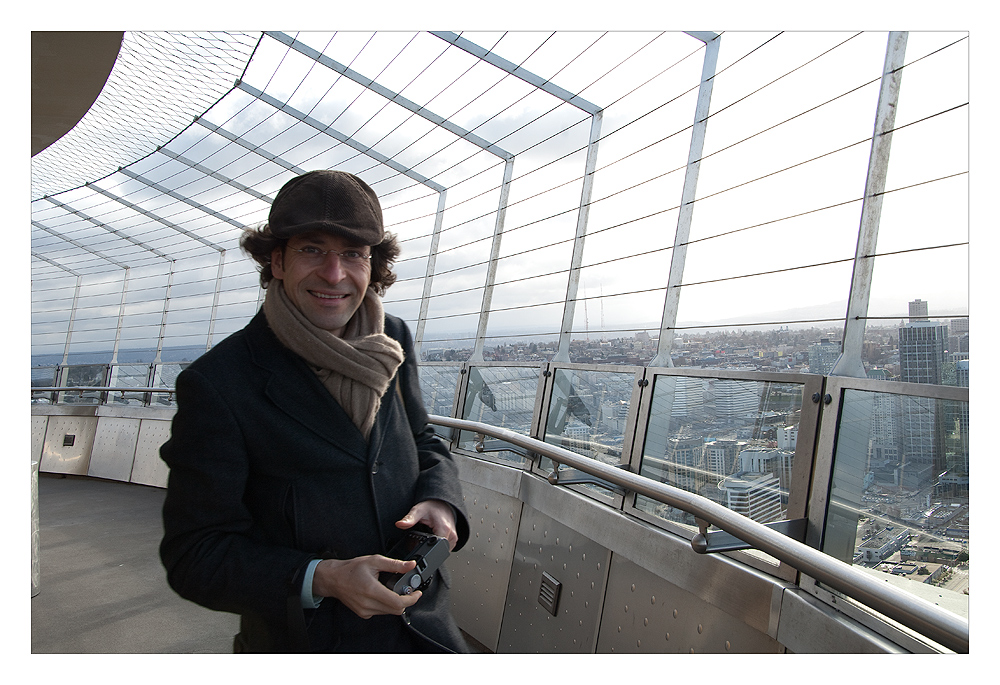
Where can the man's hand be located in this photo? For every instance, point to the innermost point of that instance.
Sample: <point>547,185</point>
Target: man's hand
<point>355,583</point>
<point>436,515</point>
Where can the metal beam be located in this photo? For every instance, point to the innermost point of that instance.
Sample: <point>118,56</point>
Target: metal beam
<point>849,363</point>
<point>109,229</point>
<point>370,84</point>
<point>518,72</point>
<point>181,198</point>
<point>154,217</point>
<point>678,255</point>
<point>491,271</point>
<point>573,283</point>
<point>337,135</point>
<point>216,175</point>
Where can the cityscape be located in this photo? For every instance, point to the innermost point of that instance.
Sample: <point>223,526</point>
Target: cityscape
<point>899,501</point>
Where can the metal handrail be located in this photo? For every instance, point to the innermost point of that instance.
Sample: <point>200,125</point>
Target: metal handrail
<point>940,625</point>
<point>101,388</point>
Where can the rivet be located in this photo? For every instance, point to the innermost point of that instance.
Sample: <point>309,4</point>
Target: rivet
<point>701,629</point>
<point>633,587</point>
<point>645,621</point>
<point>675,613</point>
<point>626,608</point>
<point>692,651</point>
<point>668,637</point>
<point>638,643</point>
<point>652,600</point>
<point>728,646</point>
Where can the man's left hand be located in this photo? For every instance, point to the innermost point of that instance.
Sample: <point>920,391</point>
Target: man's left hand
<point>436,515</point>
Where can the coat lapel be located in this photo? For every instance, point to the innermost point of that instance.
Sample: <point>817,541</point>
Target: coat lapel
<point>296,391</point>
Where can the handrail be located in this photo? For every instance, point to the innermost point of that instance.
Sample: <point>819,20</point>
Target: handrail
<point>940,625</point>
<point>101,388</point>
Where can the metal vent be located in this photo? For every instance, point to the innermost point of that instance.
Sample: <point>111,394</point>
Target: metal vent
<point>548,593</point>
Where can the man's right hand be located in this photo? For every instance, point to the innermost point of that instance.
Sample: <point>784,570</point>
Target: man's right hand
<point>355,584</point>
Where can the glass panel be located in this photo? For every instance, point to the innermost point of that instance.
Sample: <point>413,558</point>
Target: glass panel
<point>165,376</point>
<point>85,375</point>
<point>128,376</point>
<point>588,414</point>
<point>732,441</point>
<point>438,385</point>
<point>42,377</point>
<point>500,396</point>
<point>899,498</point>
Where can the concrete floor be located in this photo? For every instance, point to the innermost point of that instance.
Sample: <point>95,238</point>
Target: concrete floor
<point>102,588</point>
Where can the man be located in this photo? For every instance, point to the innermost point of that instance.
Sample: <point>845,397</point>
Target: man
<point>300,451</point>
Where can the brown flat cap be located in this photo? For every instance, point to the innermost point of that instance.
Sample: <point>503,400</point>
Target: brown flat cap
<point>327,200</point>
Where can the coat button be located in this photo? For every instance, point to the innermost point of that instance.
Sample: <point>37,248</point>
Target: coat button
<point>375,468</point>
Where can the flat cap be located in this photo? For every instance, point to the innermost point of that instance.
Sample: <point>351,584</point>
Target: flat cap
<point>327,200</point>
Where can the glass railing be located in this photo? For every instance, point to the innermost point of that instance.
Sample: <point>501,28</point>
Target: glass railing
<point>879,469</point>
<point>500,395</point>
<point>899,488</point>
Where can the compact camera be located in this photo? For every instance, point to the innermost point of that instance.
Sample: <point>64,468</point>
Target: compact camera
<point>428,550</point>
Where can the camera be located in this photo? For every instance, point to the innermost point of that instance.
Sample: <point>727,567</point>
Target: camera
<point>429,551</point>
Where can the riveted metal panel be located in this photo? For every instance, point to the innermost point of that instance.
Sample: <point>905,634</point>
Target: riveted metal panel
<point>644,613</point>
<point>114,448</point>
<point>546,546</point>
<point>148,468</point>
<point>60,457</point>
<point>38,426</point>
<point>480,571</point>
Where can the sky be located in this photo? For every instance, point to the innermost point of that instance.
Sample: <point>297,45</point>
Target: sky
<point>779,188</point>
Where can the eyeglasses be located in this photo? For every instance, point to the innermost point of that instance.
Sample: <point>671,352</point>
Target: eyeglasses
<point>314,255</point>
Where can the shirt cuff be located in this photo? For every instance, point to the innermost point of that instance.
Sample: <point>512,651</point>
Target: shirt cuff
<point>309,600</point>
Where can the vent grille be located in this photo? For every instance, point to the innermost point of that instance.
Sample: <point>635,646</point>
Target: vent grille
<point>548,593</point>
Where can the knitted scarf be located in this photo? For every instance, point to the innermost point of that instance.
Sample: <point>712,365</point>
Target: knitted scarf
<point>355,369</point>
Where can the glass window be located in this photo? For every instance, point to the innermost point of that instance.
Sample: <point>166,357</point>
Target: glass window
<point>83,376</point>
<point>899,496</point>
<point>588,413</point>
<point>501,396</point>
<point>165,376</point>
<point>438,385</point>
<point>42,377</point>
<point>128,376</point>
<point>731,441</point>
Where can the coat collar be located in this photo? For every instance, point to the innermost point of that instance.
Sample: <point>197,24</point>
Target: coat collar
<point>295,390</point>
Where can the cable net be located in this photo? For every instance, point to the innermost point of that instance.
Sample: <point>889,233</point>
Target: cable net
<point>160,82</point>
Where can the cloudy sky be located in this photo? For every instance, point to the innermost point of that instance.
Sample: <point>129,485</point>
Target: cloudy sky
<point>773,231</point>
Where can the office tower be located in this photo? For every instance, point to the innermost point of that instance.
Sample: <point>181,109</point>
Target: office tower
<point>921,359</point>
<point>823,355</point>
<point>755,495</point>
<point>918,310</point>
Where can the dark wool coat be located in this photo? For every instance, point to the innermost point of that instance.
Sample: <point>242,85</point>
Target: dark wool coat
<point>267,472</point>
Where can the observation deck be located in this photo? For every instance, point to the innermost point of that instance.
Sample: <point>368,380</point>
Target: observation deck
<point>662,286</point>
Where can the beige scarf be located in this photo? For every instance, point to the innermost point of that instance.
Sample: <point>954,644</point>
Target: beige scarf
<point>357,368</point>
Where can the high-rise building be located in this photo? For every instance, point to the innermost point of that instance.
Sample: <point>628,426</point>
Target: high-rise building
<point>736,398</point>
<point>959,326</point>
<point>921,360</point>
<point>756,496</point>
<point>823,355</point>
<point>918,310</point>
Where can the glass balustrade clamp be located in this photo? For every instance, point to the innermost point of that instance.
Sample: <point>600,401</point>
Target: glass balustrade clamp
<point>705,542</point>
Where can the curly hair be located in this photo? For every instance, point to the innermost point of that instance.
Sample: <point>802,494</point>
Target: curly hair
<point>258,243</point>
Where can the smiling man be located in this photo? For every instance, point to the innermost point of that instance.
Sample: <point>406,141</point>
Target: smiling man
<point>300,452</point>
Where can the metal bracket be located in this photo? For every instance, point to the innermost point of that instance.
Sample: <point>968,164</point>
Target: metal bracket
<point>721,541</point>
<point>491,445</point>
<point>575,477</point>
